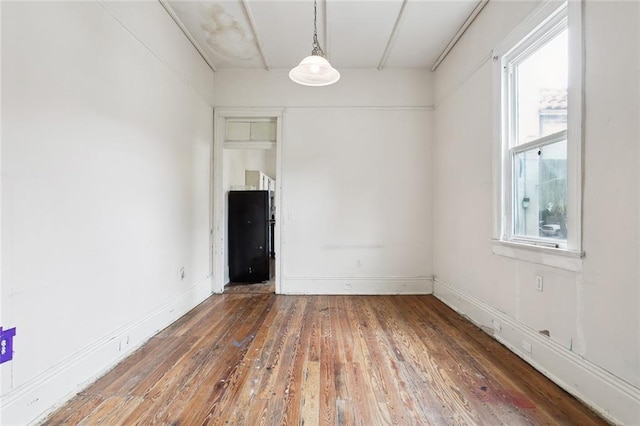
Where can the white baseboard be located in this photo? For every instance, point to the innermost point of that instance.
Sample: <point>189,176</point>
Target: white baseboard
<point>360,286</point>
<point>32,401</point>
<point>610,396</point>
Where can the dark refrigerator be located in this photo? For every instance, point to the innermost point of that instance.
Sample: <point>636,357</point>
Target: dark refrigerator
<point>249,235</point>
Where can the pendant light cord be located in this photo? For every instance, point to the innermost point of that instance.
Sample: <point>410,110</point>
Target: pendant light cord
<point>317,50</point>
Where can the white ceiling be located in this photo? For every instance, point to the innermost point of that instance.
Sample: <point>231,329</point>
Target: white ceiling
<point>356,33</point>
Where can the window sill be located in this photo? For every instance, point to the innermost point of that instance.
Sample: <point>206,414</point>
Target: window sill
<point>569,260</point>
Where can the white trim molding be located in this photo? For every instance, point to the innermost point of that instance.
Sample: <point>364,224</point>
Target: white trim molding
<point>613,398</point>
<point>40,396</point>
<point>556,258</point>
<point>357,285</point>
<point>250,145</point>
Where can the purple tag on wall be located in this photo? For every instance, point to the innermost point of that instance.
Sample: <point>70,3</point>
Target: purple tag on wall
<point>6,344</point>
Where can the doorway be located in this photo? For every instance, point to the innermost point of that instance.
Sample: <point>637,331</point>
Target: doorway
<point>246,159</point>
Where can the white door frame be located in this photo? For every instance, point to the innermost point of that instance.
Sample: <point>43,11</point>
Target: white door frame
<point>218,219</point>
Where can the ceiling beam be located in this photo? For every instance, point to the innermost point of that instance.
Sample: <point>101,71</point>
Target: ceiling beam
<point>476,11</point>
<point>327,48</point>
<point>180,25</point>
<point>256,35</point>
<point>392,37</point>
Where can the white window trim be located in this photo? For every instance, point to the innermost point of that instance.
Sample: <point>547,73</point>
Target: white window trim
<point>570,256</point>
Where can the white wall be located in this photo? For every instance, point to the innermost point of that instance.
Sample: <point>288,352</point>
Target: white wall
<point>355,178</point>
<point>356,87</point>
<point>592,315</point>
<point>358,201</point>
<point>106,147</point>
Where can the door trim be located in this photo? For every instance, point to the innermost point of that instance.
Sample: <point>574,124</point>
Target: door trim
<point>218,245</point>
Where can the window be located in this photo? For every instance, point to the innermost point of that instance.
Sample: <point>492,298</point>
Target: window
<point>536,75</point>
<point>539,79</point>
<point>250,132</point>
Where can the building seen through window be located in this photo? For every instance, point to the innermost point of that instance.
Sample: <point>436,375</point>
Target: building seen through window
<point>539,141</point>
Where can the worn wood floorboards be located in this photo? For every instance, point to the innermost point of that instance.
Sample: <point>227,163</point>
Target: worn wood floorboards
<point>268,287</point>
<point>252,359</point>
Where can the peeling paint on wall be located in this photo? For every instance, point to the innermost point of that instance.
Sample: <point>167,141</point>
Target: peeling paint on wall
<point>226,36</point>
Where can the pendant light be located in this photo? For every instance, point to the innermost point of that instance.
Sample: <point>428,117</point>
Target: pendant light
<point>315,70</point>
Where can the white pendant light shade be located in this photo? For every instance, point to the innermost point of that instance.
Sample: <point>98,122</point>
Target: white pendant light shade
<point>314,70</point>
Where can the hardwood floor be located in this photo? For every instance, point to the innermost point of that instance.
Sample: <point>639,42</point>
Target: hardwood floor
<point>268,287</point>
<point>254,359</point>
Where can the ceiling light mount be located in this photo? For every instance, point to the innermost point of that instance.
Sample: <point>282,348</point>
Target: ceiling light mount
<point>315,70</point>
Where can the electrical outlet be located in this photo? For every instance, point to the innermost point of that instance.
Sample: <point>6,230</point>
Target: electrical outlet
<point>182,273</point>
<point>539,282</point>
<point>526,346</point>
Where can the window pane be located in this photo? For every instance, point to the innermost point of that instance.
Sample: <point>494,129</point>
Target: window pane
<point>542,90</point>
<point>540,192</point>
